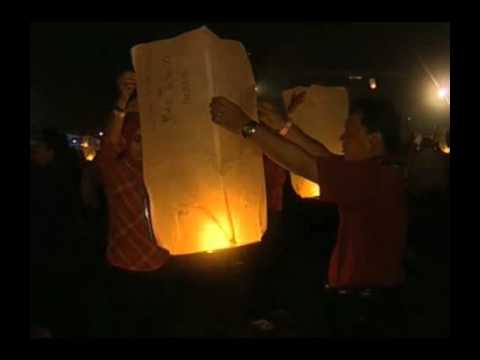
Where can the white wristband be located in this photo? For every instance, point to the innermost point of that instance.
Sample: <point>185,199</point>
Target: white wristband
<point>121,114</point>
<point>284,131</point>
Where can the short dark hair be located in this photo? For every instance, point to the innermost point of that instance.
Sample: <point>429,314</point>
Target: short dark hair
<point>380,115</point>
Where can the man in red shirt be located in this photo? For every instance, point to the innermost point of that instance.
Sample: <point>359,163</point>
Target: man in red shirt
<point>366,266</point>
<point>139,278</point>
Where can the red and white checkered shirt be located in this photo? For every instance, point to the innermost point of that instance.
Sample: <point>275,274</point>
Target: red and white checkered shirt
<point>131,244</point>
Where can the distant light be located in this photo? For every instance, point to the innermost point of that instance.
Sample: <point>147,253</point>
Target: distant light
<point>257,89</point>
<point>84,144</point>
<point>90,157</point>
<point>74,141</point>
<point>373,83</point>
<point>100,133</point>
<point>409,118</point>
<point>355,77</point>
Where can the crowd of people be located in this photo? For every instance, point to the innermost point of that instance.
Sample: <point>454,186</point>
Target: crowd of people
<point>96,269</point>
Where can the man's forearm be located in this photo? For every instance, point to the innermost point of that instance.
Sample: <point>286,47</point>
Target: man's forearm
<point>306,142</point>
<point>286,153</point>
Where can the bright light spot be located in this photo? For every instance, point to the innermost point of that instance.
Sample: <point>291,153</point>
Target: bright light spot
<point>90,157</point>
<point>85,145</point>
<point>442,137</point>
<point>373,83</point>
<point>100,133</point>
<point>213,237</point>
<point>74,141</point>
<point>442,93</point>
<point>445,149</point>
<point>261,88</point>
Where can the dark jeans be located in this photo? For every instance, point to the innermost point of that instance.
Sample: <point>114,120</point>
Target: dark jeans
<point>380,314</point>
<point>143,304</point>
<point>270,262</point>
<point>55,297</point>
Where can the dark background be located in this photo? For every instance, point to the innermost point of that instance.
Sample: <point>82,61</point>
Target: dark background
<point>73,65</point>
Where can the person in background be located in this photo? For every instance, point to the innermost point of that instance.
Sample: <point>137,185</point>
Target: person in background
<point>56,234</point>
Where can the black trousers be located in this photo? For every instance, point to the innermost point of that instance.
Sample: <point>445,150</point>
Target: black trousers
<point>357,315</point>
<point>143,304</point>
<point>269,265</point>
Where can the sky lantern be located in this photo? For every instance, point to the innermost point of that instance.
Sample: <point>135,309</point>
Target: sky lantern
<point>322,116</point>
<point>88,147</point>
<point>206,186</point>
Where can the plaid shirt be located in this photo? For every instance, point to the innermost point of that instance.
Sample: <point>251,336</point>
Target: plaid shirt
<point>131,244</point>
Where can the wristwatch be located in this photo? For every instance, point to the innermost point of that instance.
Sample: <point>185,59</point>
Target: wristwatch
<point>249,129</point>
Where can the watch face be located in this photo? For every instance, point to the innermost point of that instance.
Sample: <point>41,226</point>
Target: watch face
<point>249,129</point>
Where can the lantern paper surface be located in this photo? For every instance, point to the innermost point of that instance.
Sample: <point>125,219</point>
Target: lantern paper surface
<point>206,186</point>
<point>322,116</point>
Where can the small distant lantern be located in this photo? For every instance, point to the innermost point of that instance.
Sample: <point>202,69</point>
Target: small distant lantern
<point>90,157</point>
<point>88,148</point>
<point>373,83</point>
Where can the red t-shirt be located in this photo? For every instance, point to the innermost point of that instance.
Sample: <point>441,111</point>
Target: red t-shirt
<point>371,240</point>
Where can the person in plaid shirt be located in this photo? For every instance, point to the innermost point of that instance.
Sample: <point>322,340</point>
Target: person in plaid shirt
<point>140,281</point>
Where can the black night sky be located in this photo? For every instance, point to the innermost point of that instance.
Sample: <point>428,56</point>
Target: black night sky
<point>73,65</point>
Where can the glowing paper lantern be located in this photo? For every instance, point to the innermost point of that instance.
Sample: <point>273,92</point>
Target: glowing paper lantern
<point>303,187</point>
<point>205,185</point>
<point>88,149</point>
<point>322,116</point>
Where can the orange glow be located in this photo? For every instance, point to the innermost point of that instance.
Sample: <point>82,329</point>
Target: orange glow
<point>305,188</point>
<point>212,237</point>
<point>444,148</point>
<point>441,139</point>
<point>89,152</point>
